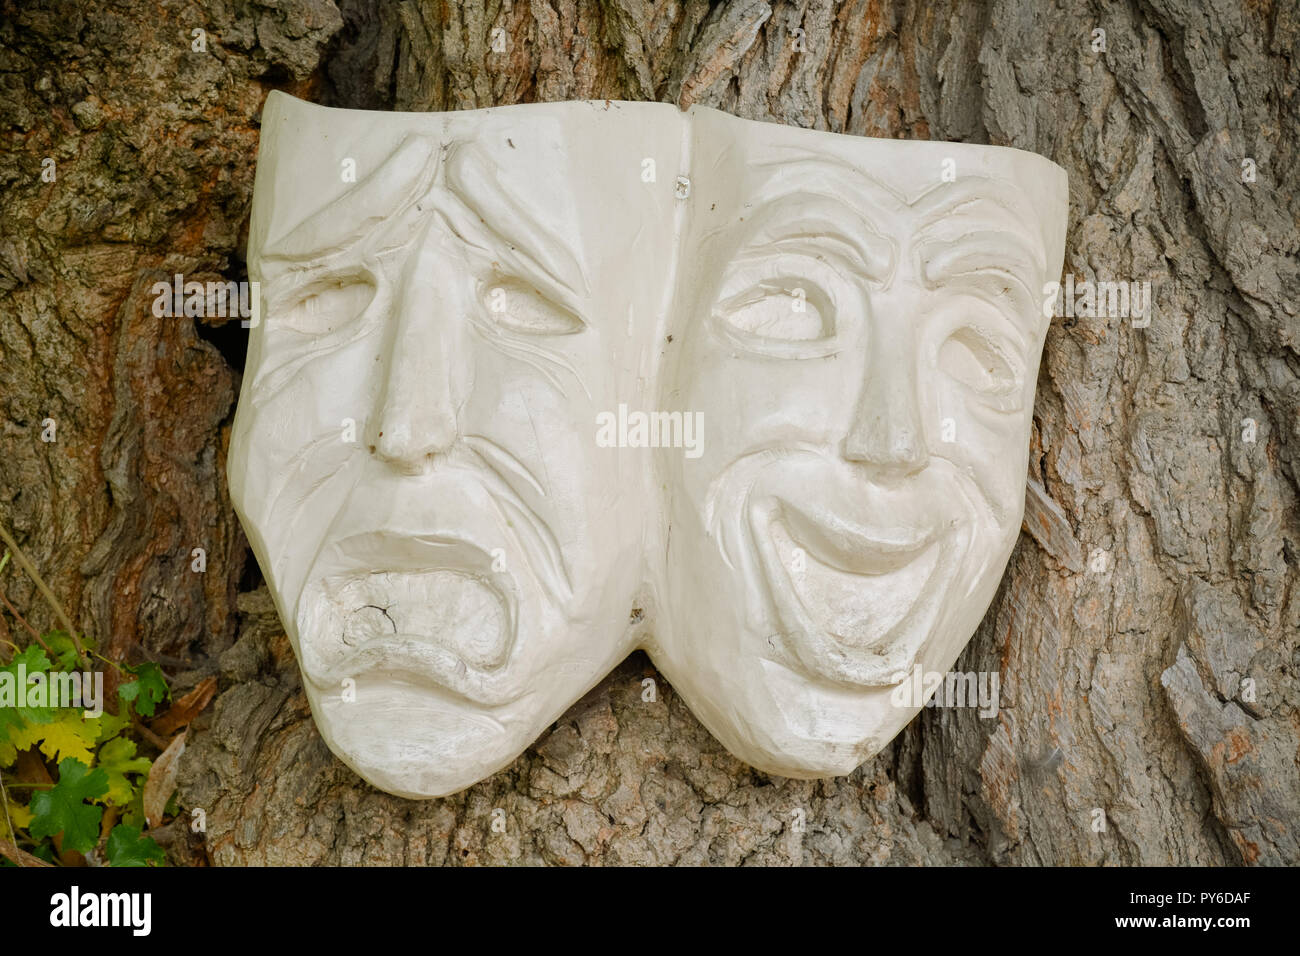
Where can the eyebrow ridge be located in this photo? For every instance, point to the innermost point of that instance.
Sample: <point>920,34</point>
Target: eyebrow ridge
<point>483,196</point>
<point>943,262</point>
<point>829,218</point>
<point>399,183</point>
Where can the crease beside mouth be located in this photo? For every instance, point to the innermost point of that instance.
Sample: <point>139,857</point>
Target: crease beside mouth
<point>858,641</point>
<point>493,459</point>
<point>478,672</point>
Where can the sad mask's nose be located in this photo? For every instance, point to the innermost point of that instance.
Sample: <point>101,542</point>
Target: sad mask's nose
<point>417,414</point>
<point>417,421</point>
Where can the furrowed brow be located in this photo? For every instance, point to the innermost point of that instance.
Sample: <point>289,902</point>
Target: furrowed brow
<point>979,205</point>
<point>978,233</point>
<point>506,222</point>
<point>998,265</point>
<point>385,195</point>
<point>816,225</point>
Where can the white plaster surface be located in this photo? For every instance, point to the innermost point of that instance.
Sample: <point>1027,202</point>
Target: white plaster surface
<point>466,316</point>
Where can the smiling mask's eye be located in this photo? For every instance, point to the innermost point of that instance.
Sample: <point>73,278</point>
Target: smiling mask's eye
<point>329,305</point>
<point>776,314</point>
<point>519,307</point>
<point>970,358</point>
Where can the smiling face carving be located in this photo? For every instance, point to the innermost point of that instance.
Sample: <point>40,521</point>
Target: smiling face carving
<point>865,336</point>
<point>464,563</point>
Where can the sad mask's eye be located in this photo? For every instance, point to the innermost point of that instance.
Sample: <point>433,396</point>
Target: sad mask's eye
<point>778,313</point>
<point>520,307</point>
<point>329,305</point>
<point>970,358</point>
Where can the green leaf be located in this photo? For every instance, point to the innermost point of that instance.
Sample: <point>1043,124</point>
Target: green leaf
<point>110,725</point>
<point>45,851</point>
<point>64,650</point>
<point>126,847</point>
<point>69,734</point>
<point>133,812</point>
<point>147,690</point>
<point>62,808</point>
<point>33,661</point>
<point>117,758</point>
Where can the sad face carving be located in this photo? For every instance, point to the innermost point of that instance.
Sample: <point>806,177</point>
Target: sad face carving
<point>452,302</point>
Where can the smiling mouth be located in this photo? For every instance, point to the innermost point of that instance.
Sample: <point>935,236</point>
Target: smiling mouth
<point>856,596</point>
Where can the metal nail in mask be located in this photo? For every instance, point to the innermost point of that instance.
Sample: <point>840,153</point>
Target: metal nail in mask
<point>462,313</point>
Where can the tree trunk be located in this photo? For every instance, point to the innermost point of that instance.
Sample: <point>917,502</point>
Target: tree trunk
<point>1147,632</point>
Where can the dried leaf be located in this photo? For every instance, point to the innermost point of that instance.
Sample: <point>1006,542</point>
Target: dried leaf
<point>186,708</point>
<point>161,783</point>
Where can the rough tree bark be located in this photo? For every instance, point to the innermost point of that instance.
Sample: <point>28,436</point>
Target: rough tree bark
<point>1155,581</point>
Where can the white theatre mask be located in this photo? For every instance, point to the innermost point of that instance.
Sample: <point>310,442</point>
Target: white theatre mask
<point>441,453</point>
<point>861,321</point>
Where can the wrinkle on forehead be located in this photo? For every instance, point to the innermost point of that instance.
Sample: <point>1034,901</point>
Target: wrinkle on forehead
<point>874,199</point>
<point>817,222</point>
<point>985,199</point>
<point>980,204</point>
<point>398,184</point>
<point>513,220</point>
<point>474,197</point>
<point>980,228</point>
<point>974,224</point>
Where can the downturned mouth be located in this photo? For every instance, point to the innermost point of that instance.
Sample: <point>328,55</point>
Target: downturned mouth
<point>463,613</point>
<point>417,608</point>
<point>432,606</point>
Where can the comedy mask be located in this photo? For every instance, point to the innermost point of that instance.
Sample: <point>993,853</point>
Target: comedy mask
<point>534,386</point>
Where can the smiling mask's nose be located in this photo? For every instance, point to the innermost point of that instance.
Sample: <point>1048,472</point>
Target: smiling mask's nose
<point>886,431</point>
<point>416,420</point>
